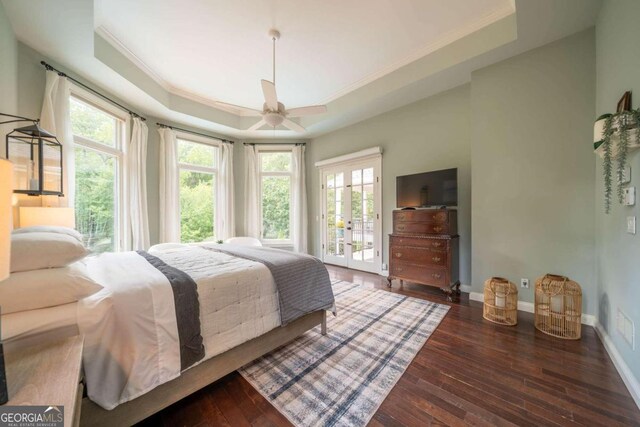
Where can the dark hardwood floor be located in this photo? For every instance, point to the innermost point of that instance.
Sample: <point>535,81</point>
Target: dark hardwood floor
<point>469,372</point>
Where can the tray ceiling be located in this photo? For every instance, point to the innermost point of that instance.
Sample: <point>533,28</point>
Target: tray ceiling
<point>219,49</point>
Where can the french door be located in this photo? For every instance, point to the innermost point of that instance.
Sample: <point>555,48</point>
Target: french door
<point>351,215</point>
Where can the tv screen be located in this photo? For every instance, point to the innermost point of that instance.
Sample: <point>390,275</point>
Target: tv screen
<point>428,189</point>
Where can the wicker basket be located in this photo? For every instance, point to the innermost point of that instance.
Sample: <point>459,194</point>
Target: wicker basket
<point>500,301</point>
<point>558,307</point>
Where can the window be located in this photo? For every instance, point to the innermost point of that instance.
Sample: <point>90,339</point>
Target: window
<point>98,135</point>
<point>198,167</point>
<point>275,196</point>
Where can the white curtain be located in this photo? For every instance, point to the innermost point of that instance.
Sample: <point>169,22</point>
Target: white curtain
<point>169,187</point>
<point>299,200</point>
<point>137,179</point>
<point>55,119</point>
<point>251,187</point>
<point>225,218</point>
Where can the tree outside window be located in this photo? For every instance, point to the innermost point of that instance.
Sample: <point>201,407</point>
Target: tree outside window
<point>275,190</point>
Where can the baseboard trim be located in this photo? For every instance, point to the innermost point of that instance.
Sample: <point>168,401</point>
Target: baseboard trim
<point>528,307</point>
<point>632,383</point>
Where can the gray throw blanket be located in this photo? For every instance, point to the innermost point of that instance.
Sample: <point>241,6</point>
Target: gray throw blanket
<point>185,297</point>
<point>302,281</point>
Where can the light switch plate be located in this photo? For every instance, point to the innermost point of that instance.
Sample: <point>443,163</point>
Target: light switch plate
<point>626,175</point>
<point>631,224</point>
<point>630,196</point>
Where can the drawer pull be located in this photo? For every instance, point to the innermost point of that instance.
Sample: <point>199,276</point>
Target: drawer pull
<point>436,276</point>
<point>398,254</point>
<point>437,229</point>
<point>398,268</point>
<point>436,244</point>
<point>400,227</point>
<point>436,259</point>
<point>401,217</point>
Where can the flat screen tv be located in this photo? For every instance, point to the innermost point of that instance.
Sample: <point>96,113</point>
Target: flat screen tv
<point>428,189</point>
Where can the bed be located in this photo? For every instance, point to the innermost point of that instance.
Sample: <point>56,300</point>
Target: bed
<point>135,347</point>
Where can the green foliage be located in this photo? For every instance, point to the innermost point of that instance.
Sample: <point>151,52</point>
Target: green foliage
<point>620,124</point>
<point>276,196</point>
<point>95,199</point>
<point>92,123</point>
<point>193,153</point>
<point>196,206</point>
<point>623,148</point>
<point>608,131</point>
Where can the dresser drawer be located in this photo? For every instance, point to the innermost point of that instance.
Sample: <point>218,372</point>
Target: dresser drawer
<point>421,227</point>
<point>436,244</point>
<point>419,255</point>
<point>428,275</point>
<point>421,216</point>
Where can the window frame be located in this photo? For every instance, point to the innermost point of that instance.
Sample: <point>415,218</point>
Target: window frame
<point>215,171</point>
<point>122,241</point>
<point>275,149</point>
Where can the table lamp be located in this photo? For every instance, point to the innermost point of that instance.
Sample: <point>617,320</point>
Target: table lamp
<point>6,192</point>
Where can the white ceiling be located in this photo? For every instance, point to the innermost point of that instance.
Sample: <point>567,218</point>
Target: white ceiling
<point>219,49</point>
<point>170,59</point>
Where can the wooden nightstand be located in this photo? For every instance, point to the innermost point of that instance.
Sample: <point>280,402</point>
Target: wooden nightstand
<point>46,374</point>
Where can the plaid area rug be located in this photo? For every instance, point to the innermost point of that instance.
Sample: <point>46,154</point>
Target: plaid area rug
<point>342,378</point>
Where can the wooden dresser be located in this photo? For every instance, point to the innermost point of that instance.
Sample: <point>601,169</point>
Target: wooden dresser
<point>424,248</point>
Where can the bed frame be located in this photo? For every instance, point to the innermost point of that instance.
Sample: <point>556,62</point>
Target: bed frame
<point>199,376</point>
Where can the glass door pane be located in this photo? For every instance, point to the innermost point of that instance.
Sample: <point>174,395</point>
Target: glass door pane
<point>335,220</point>
<point>362,215</point>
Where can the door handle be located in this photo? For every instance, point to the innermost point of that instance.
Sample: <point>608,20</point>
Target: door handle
<point>348,228</point>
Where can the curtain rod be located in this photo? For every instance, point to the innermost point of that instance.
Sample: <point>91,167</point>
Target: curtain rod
<point>275,143</point>
<point>106,98</point>
<point>162,125</point>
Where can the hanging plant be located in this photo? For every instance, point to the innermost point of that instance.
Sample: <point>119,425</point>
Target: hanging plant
<point>620,124</point>
<point>624,122</point>
<point>606,166</point>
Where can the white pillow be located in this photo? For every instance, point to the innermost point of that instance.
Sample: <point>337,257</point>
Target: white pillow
<point>33,251</point>
<point>49,229</point>
<point>30,290</point>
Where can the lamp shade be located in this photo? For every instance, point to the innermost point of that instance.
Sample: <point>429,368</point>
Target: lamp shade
<point>6,191</point>
<point>64,217</point>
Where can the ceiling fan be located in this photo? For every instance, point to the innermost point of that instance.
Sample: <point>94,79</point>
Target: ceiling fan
<point>273,112</point>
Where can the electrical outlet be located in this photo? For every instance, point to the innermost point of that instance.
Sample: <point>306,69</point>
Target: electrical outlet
<point>626,328</point>
<point>524,283</point>
<point>385,267</point>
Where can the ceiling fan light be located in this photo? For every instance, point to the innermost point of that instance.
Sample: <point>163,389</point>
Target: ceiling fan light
<point>273,119</point>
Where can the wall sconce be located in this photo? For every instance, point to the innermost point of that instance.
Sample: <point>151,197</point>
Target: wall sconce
<point>37,159</point>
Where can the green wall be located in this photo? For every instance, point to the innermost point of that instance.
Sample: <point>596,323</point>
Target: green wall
<point>430,134</point>
<point>618,253</point>
<point>8,69</point>
<point>533,171</point>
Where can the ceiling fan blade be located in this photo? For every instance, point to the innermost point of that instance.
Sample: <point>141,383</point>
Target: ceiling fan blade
<point>258,125</point>
<point>307,111</point>
<point>243,110</point>
<point>270,96</point>
<point>292,125</point>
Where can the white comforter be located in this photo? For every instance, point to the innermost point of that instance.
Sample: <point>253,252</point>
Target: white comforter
<point>131,337</point>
